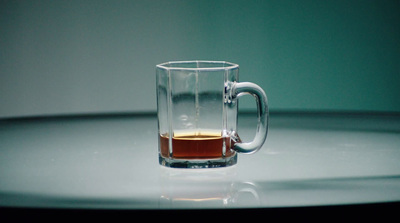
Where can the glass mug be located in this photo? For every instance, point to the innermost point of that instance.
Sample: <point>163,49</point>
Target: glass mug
<point>197,114</point>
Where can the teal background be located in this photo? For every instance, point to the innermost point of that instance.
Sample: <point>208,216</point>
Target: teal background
<point>75,57</point>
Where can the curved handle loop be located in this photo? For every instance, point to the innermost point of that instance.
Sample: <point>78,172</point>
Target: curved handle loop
<point>239,89</point>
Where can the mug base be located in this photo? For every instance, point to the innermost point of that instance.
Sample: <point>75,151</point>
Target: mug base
<point>198,163</point>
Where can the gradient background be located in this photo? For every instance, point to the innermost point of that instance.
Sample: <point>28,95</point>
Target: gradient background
<point>78,57</point>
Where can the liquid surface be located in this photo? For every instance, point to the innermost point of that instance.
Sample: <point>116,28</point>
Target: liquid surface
<point>197,146</point>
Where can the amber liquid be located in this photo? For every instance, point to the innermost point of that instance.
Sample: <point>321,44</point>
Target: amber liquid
<point>196,146</point>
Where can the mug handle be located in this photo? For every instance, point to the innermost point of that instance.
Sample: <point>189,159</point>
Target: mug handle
<point>242,88</point>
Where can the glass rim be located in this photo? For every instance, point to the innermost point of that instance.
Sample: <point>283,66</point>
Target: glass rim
<point>177,65</point>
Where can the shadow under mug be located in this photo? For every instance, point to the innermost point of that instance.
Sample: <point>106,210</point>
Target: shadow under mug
<point>197,114</point>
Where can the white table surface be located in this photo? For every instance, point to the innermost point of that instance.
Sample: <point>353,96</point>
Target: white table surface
<point>111,162</point>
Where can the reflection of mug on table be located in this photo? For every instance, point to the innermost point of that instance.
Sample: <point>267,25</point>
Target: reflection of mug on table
<point>197,114</point>
<point>205,188</point>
